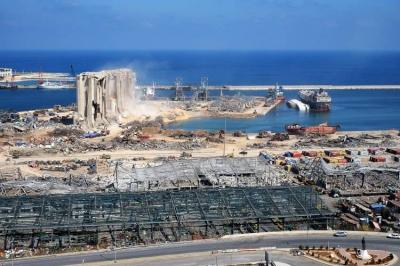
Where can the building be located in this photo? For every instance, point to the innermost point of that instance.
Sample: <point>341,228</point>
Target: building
<point>137,218</point>
<point>5,72</point>
<point>105,96</point>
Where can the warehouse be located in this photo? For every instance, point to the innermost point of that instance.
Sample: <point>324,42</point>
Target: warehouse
<point>132,218</point>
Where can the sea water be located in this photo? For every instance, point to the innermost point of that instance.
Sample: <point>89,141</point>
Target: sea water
<point>352,109</point>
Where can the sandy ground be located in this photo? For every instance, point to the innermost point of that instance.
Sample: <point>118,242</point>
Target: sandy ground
<point>171,111</point>
<point>233,146</point>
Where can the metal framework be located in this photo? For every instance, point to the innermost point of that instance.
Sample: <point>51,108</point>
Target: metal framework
<point>201,172</point>
<point>130,218</point>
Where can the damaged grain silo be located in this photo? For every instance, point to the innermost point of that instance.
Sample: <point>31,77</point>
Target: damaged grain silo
<point>105,96</point>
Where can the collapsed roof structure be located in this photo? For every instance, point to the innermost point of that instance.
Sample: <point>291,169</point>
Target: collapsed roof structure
<point>199,172</point>
<point>132,218</point>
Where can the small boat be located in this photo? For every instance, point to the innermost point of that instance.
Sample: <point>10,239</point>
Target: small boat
<point>51,85</point>
<point>8,85</point>
<point>294,129</point>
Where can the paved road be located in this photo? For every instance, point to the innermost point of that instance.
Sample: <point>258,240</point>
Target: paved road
<point>279,241</point>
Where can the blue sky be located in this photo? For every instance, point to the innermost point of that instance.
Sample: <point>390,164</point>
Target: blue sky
<point>200,24</point>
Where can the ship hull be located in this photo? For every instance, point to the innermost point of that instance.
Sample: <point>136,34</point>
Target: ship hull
<point>318,107</point>
<point>322,129</point>
<point>318,101</point>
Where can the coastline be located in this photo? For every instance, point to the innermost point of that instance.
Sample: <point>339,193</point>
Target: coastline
<point>237,87</point>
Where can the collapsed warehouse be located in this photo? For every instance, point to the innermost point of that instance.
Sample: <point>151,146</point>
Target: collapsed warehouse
<point>58,222</point>
<point>200,173</point>
<point>172,200</point>
<point>350,179</point>
<point>126,175</point>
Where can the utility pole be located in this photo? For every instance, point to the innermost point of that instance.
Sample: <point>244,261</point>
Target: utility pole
<point>117,163</point>
<point>225,137</point>
<point>12,252</point>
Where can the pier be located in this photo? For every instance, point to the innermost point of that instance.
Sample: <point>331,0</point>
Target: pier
<point>288,87</point>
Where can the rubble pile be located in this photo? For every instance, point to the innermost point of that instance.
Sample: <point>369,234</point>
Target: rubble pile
<point>8,117</point>
<point>23,122</point>
<point>350,178</point>
<point>199,172</point>
<point>66,132</point>
<point>343,141</point>
<point>49,185</point>
<point>183,134</point>
<point>161,144</point>
<point>233,104</point>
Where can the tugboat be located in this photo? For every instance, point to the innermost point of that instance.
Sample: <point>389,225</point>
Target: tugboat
<point>319,101</point>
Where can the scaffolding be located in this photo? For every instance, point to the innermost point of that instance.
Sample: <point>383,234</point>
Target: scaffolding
<point>179,96</point>
<point>132,218</point>
<point>201,92</point>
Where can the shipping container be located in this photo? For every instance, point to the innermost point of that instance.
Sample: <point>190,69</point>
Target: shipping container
<point>288,154</point>
<point>375,151</point>
<point>330,159</point>
<point>377,159</point>
<point>349,159</point>
<point>333,153</point>
<point>393,150</point>
<point>296,154</point>
<point>310,153</point>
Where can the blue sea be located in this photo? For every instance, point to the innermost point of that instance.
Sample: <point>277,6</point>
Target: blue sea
<point>353,110</point>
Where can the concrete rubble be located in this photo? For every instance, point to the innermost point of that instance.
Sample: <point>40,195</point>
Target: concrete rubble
<point>351,178</point>
<point>233,104</point>
<point>197,173</point>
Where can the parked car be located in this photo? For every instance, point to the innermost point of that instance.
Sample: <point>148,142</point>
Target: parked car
<point>340,234</point>
<point>394,236</point>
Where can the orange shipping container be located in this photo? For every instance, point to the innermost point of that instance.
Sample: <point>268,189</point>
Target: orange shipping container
<point>296,154</point>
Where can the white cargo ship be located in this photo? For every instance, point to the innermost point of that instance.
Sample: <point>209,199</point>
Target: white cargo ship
<point>319,101</point>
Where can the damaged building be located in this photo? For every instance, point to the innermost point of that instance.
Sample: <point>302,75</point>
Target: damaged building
<point>105,96</point>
